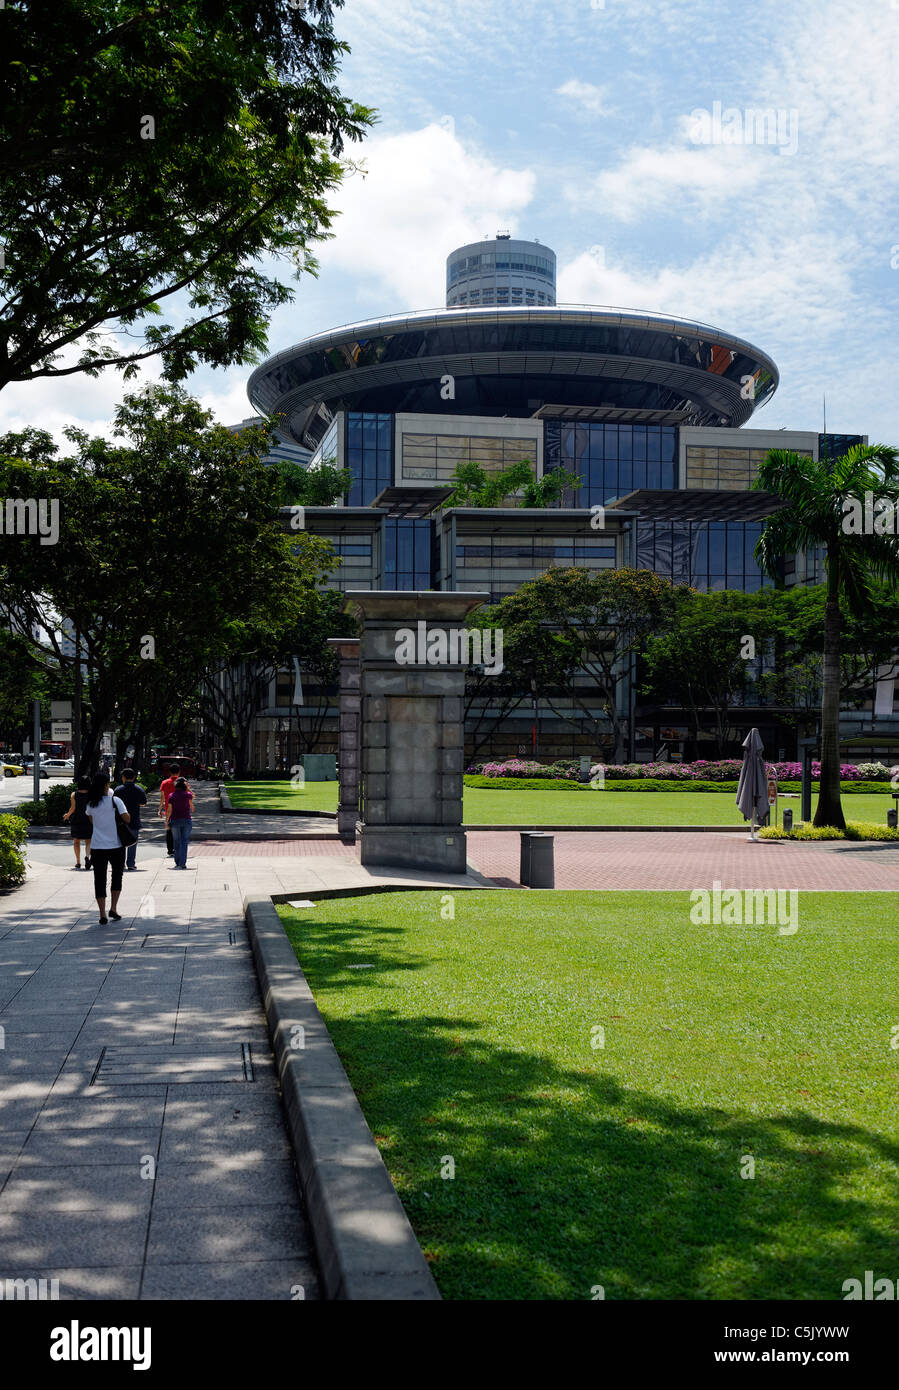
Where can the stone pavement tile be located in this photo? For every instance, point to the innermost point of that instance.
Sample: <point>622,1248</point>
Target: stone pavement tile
<point>78,1187</point>
<point>224,1180</point>
<point>21,1111</point>
<point>200,1016</point>
<point>102,1111</point>
<point>241,1136</point>
<point>224,1235</point>
<point>246,1281</point>
<point>114,1281</point>
<point>55,1240</point>
<point>106,1146</point>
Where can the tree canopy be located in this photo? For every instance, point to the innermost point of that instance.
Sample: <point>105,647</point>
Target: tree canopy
<point>816,494</point>
<point>171,557</point>
<point>149,150</point>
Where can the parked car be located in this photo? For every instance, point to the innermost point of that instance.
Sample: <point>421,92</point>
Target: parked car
<point>58,767</point>
<point>12,769</point>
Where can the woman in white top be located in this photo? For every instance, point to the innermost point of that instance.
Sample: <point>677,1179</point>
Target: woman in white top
<point>106,847</point>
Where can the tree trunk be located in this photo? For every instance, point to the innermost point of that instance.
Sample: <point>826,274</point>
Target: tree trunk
<point>830,810</point>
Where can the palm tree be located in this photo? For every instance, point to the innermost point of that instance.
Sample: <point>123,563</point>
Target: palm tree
<point>824,503</point>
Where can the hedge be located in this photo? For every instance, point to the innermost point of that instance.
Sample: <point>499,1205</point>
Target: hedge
<point>13,834</point>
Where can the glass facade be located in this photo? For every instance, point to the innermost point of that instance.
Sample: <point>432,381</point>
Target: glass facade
<point>501,563</point>
<point>369,455</point>
<point>727,470</point>
<point>833,445</point>
<point>612,460</point>
<point>704,554</point>
<point>328,372</point>
<point>437,456</point>
<point>408,554</point>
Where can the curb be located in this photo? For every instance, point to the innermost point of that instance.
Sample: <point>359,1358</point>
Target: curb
<point>365,1244</point>
<point>653,829</point>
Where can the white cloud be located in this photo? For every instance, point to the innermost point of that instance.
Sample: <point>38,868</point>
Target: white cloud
<point>584,94</point>
<point>423,194</point>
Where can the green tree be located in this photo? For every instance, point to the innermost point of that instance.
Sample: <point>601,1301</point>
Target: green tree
<point>170,558</point>
<point>22,680</point>
<point>149,150</point>
<point>821,498</point>
<point>599,620</point>
<point>475,486</point>
<point>313,487</point>
<point>715,654</point>
<point>537,663</point>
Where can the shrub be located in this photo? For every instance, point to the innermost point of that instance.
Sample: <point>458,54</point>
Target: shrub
<point>32,812</point>
<point>521,784</point>
<point>57,801</point>
<point>855,830</point>
<point>874,772</point>
<point>13,833</point>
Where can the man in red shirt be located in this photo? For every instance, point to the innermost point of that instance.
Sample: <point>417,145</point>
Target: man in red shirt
<point>165,790</point>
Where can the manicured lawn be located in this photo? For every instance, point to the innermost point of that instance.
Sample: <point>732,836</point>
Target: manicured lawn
<point>594,807</point>
<point>282,796</point>
<point>621,1166</point>
<point>590,807</point>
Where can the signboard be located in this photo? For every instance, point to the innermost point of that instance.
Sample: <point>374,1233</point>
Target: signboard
<point>61,731</point>
<point>60,709</point>
<point>772,791</point>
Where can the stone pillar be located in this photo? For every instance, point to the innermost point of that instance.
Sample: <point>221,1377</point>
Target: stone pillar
<point>348,747</point>
<point>412,730</point>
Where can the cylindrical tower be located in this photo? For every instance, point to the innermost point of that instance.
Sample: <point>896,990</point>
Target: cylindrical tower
<point>500,272</point>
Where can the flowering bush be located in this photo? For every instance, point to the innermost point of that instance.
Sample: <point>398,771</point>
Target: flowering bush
<point>724,770</point>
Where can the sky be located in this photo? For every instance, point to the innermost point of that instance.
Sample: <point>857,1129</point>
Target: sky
<point>621,134</point>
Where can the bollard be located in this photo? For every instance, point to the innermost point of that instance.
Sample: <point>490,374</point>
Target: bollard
<point>788,819</point>
<point>892,819</point>
<point>537,865</point>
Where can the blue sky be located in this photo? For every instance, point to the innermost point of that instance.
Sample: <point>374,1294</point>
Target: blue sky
<point>577,122</point>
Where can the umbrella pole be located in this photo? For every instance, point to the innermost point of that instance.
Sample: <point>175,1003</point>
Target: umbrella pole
<point>753,833</point>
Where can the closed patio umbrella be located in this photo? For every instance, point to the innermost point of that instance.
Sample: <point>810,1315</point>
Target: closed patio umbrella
<point>752,788</point>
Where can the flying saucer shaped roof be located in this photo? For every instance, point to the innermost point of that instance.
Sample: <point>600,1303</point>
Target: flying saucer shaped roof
<point>514,362</point>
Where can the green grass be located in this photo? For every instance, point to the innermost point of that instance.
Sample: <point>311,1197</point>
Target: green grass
<point>282,796</point>
<point>577,806</point>
<point>471,1038</point>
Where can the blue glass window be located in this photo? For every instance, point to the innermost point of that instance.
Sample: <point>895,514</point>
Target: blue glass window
<point>613,460</point>
<point>369,455</point>
<point>408,554</point>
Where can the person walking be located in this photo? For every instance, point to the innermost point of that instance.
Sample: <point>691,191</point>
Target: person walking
<point>178,815</point>
<point>79,823</point>
<point>106,848</point>
<point>165,790</point>
<point>134,798</point>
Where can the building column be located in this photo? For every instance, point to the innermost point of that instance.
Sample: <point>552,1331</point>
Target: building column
<point>349,722</point>
<point>413,728</point>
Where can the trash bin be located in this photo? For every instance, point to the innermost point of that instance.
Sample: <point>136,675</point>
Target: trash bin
<point>537,859</point>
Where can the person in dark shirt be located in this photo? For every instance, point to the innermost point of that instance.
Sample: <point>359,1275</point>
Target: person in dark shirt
<point>134,797</point>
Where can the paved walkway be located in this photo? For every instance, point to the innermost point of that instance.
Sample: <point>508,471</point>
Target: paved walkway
<point>142,1147</point>
<point>622,861</point>
<point>635,860</point>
